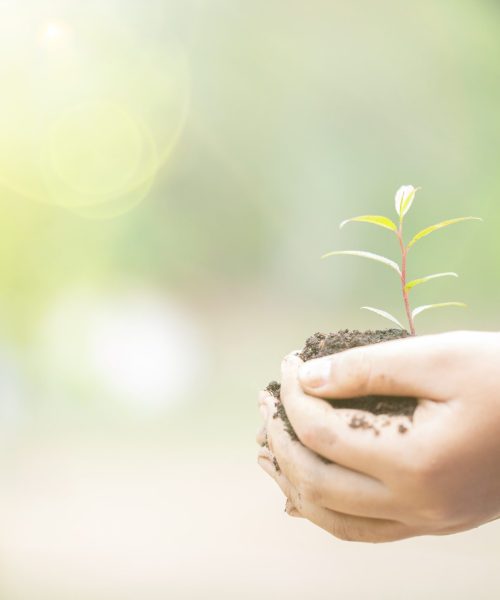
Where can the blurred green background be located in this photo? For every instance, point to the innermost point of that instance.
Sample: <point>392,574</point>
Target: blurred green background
<point>171,172</point>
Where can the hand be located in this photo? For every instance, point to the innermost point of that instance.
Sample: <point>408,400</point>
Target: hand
<point>438,474</point>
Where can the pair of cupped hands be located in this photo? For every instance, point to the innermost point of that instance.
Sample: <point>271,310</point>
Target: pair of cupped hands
<point>377,484</point>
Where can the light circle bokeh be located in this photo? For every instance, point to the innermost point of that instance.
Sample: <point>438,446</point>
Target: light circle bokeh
<point>131,348</point>
<point>95,149</point>
<point>90,109</point>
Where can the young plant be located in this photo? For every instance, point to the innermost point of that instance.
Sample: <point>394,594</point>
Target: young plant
<point>404,199</point>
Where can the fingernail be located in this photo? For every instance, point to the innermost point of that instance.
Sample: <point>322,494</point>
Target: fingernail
<point>314,373</point>
<point>291,361</point>
<point>264,411</point>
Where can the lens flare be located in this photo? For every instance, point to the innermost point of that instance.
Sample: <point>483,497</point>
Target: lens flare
<point>89,112</point>
<point>94,150</point>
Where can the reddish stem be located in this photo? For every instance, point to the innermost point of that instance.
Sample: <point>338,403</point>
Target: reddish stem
<point>404,256</point>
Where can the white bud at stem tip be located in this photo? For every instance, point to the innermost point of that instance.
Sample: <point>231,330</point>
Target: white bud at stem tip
<point>404,199</point>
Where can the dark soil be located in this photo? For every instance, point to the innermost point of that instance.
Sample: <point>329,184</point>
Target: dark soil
<point>321,344</point>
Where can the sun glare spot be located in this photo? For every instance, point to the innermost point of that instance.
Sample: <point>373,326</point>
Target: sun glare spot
<point>55,33</point>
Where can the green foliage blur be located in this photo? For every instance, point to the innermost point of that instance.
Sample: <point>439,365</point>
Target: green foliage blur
<point>171,172</point>
<point>299,116</point>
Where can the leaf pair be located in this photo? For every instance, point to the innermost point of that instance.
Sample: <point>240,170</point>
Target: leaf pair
<point>390,263</point>
<point>386,223</point>
<point>415,312</point>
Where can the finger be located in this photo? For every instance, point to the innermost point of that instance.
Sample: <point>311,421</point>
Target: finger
<point>268,464</point>
<point>342,526</point>
<point>291,510</point>
<point>416,366</point>
<point>265,454</point>
<point>327,484</point>
<point>355,529</point>
<point>265,404</point>
<point>261,437</point>
<point>264,398</point>
<point>333,434</point>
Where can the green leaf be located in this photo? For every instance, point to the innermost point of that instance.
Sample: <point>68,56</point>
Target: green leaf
<point>412,284</point>
<point>370,255</point>
<point>421,309</point>
<point>374,220</point>
<point>384,314</point>
<point>433,228</point>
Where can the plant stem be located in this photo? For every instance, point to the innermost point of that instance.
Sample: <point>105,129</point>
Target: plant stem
<point>406,299</point>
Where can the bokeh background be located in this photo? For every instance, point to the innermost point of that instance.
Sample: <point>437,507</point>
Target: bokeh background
<point>170,173</point>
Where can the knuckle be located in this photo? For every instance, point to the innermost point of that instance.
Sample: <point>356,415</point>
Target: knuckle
<point>296,497</point>
<point>317,435</point>
<point>452,348</point>
<point>354,370</point>
<point>307,434</point>
<point>342,531</point>
<point>310,489</point>
<point>349,532</point>
<point>439,513</point>
<point>432,502</point>
<point>261,436</point>
<point>270,442</point>
<point>426,470</point>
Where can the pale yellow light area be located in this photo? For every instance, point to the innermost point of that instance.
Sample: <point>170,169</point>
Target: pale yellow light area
<point>55,32</point>
<point>89,111</point>
<point>95,148</point>
<point>113,208</point>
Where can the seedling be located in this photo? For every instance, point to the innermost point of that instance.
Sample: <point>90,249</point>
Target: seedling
<point>404,199</point>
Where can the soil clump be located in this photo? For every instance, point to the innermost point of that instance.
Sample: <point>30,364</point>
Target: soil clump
<point>321,344</point>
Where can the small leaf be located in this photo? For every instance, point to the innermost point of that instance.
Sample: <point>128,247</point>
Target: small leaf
<point>421,309</point>
<point>412,284</point>
<point>433,228</point>
<point>384,314</point>
<point>370,255</point>
<point>374,220</point>
<point>404,199</point>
